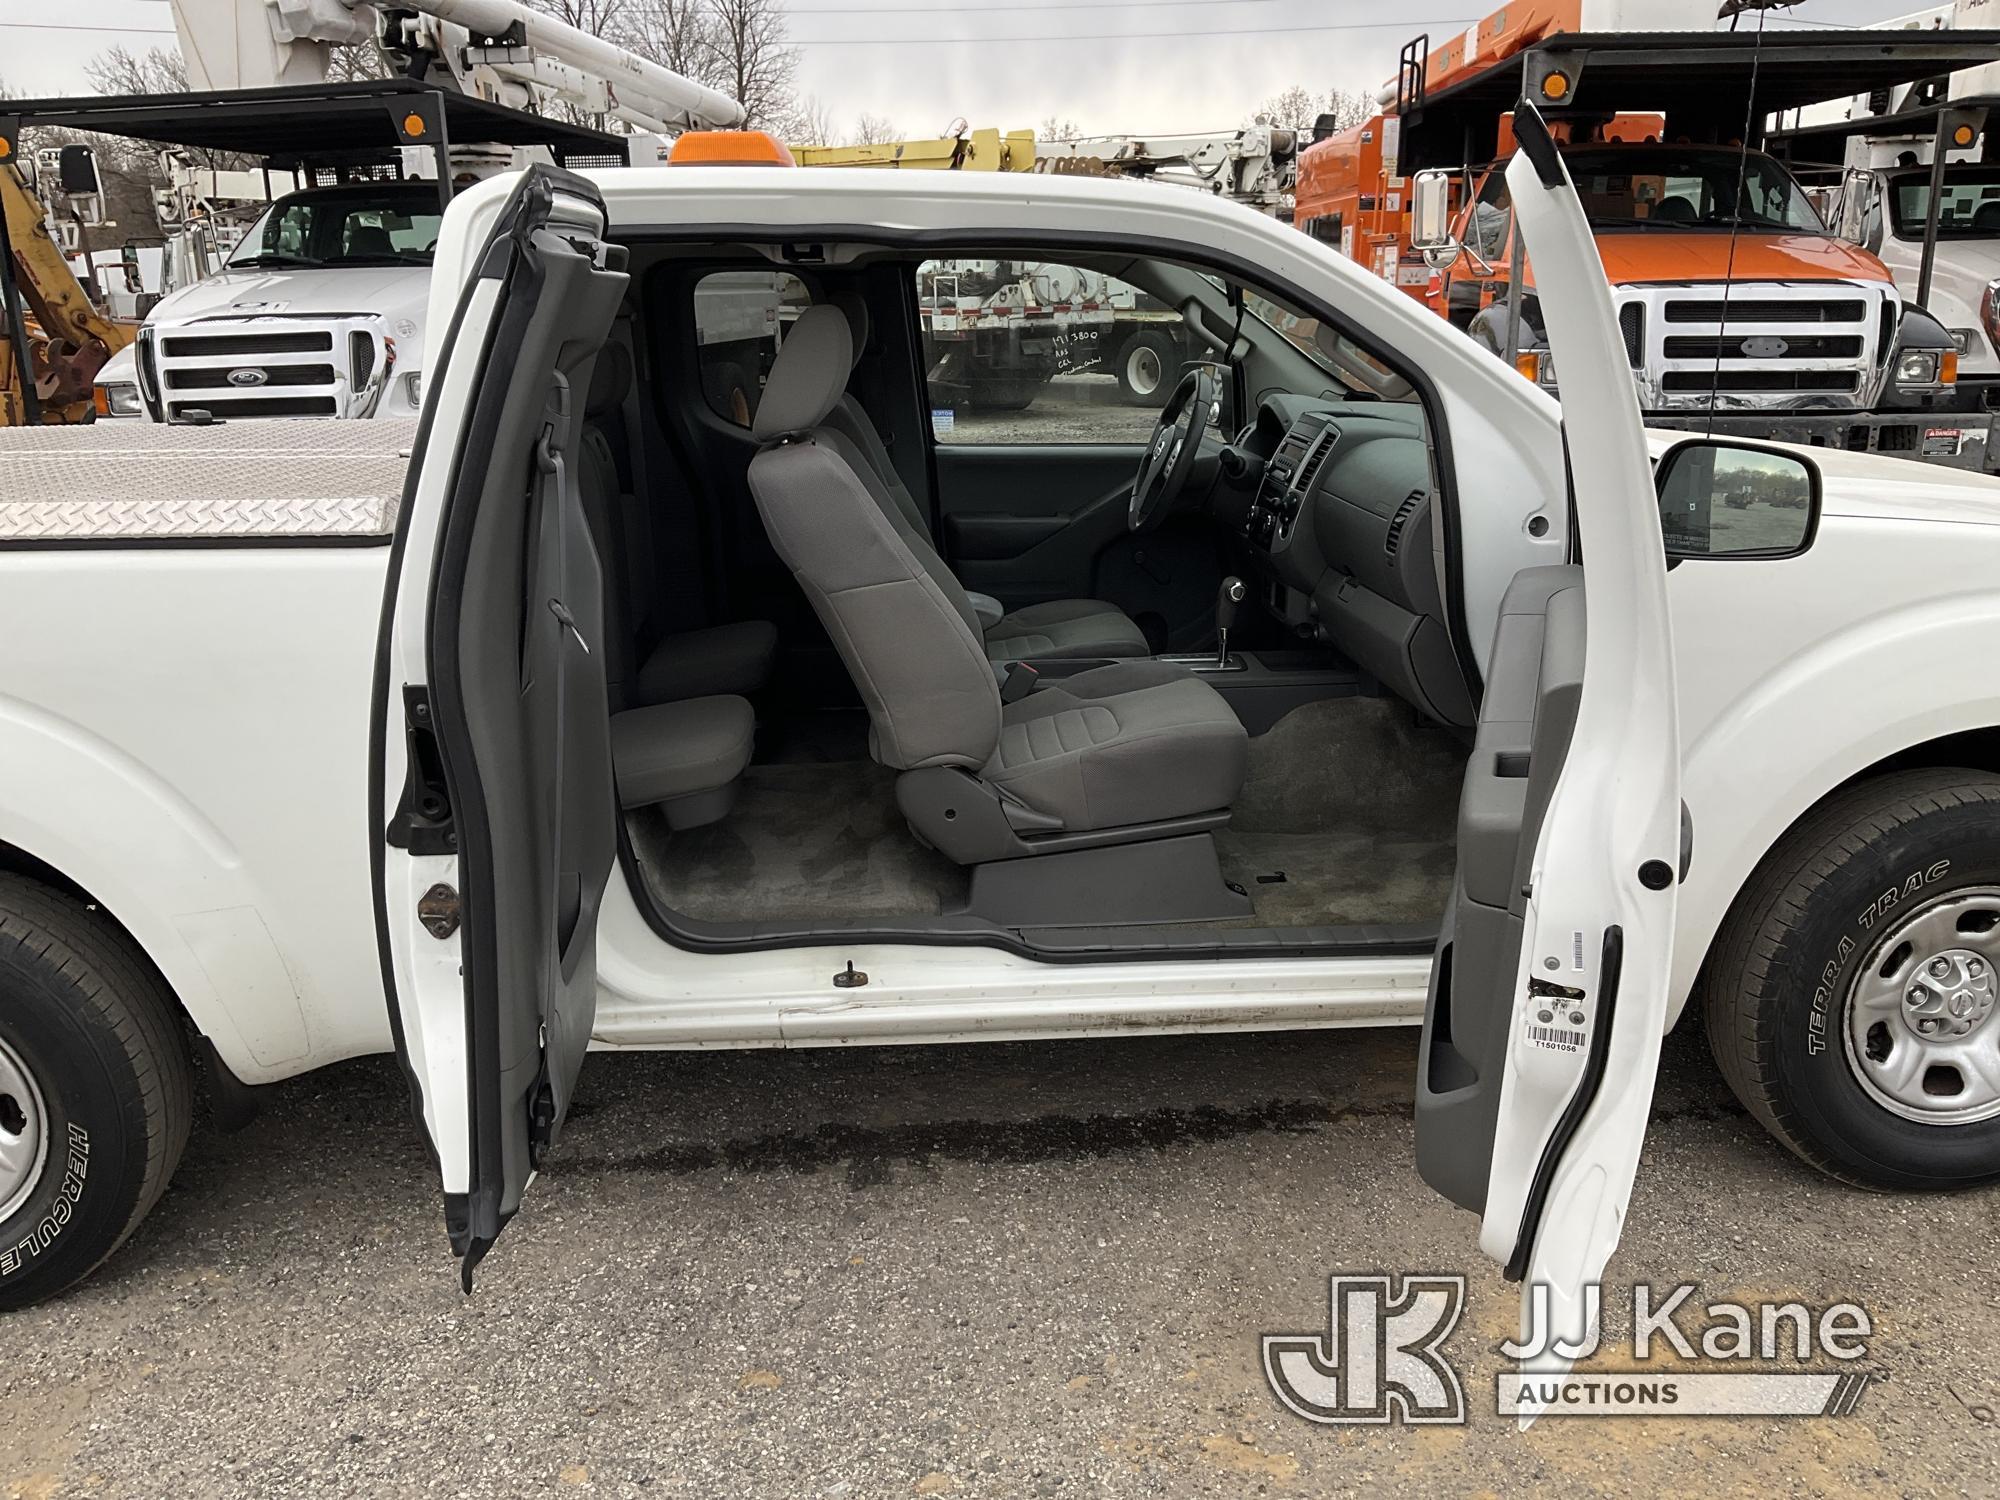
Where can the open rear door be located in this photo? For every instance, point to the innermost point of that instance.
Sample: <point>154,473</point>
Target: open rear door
<point>493,809</point>
<point>1549,992</point>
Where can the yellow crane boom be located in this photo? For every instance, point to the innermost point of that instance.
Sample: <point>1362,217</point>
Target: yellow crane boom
<point>63,337</point>
<point>968,151</point>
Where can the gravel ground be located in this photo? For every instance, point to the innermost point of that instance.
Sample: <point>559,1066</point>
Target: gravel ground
<point>994,1270</point>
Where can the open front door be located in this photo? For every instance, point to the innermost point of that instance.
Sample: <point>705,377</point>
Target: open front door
<point>494,812</point>
<point>1549,991</point>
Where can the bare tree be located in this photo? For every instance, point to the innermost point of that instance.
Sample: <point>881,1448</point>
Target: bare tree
<point>1058,128</point>
<point>1349,107</point>
<point>604,18</point>
<point>754,65</point>
<point>1294,109</point>
<point>356,64</point>
<point>810,122</point>
<point>873,130</point>
<point>119,70</point>
<point>676,34</point>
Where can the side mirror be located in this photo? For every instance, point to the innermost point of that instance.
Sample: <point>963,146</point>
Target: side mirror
<point>1721,500</point>
<point>1325,126</point>
<point>1430,218</point>
<point>1853,211</point>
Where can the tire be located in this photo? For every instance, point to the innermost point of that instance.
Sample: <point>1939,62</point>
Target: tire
<point>1850,905</point>
<point>1148,366</point>
<point>91,1051</point>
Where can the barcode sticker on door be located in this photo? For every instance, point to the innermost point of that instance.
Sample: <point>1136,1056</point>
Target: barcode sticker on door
<point>1556,1038</point>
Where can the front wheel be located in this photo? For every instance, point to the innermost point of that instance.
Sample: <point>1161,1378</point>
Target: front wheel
<point>1851,996</point>
<point>95,1092</point>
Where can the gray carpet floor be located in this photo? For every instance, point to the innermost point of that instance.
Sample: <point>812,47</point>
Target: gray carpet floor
<point>1346,818</point>
<point>806,840</point>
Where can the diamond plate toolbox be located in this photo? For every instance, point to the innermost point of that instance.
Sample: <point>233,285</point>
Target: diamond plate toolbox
<point>135,481</point>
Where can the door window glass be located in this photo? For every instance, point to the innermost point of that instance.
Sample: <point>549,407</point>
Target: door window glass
<point>1035,351</point>
<point>740,319</point>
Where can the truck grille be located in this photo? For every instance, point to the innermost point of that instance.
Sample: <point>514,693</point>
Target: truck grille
<point>237,368</point>
<point>1773,345</point>
<point>1768,310</point>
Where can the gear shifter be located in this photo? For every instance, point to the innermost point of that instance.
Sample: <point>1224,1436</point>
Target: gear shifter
<point>1226,599</point>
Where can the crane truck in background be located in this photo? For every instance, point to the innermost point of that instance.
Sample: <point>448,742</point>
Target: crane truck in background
<point>1912,175</point>
<point>999,330</point>
<point>1740,310</point>
<point>316,306</point>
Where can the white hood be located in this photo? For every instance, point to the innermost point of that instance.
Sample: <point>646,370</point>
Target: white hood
<point>396,293</point>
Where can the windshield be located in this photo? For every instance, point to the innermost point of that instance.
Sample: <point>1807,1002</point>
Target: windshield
<point>1968,209</point>
<point>1331,350</point>
<point>395,226</point>
<point>1653,187</point>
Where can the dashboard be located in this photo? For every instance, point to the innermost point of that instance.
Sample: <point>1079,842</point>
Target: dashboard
<point>1342,537</point>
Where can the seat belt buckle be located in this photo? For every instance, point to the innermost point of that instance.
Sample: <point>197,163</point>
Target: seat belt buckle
<point>1021,680</point>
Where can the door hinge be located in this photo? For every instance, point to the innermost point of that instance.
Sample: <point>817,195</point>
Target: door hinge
<point>439,910</point>
<point>422,822</point>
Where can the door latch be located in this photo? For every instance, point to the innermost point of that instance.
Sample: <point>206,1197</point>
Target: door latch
<point>438,909</point>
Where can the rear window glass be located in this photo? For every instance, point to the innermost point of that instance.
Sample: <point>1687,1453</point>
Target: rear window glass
<point>740,320</point>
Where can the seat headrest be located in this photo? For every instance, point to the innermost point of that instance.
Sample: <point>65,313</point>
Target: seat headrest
<point>808,376</point>
<point>854,307</point>
<point>610,379</point>
<point>1674,211</point>
<point>369,239</point>
<point>1986,218</point>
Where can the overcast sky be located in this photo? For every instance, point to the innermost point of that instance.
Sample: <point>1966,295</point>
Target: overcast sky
<point>1123,65</point>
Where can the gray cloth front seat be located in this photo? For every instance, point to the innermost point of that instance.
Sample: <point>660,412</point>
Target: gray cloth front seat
<point>1134,743</point>
<point>720,659</point>
<point>1059,629</point>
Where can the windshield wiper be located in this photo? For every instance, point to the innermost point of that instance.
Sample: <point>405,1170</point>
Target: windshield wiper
<point>271,260</point>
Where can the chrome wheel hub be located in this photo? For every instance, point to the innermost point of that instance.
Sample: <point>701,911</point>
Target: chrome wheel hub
<point>1920,1032</point>
<point>1143,370</point>
<point>24,1139</point>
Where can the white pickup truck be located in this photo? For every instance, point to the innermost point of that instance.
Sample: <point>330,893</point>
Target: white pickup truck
<point>593,712</point>
<point>318,311</point>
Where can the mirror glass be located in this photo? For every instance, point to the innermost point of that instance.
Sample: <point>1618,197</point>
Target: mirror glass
<point>1718,500</point>
<point>1430,210</point>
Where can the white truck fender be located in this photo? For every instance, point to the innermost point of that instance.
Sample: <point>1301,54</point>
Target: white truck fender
<point>165,872</point>
<point>1819,717</point>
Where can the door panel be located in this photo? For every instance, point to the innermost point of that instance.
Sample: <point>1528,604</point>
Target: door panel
<point>1541,1042</point>
<point>493,657</point>
<point>1534,681</point>
<point>1048,521</point>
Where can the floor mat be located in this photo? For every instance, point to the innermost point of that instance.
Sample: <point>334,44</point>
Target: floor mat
<point>1351,801</point>
<point>805,841</point>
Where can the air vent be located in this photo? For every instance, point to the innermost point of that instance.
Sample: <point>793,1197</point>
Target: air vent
<point>1401,519</point>
<point>1315,459</point>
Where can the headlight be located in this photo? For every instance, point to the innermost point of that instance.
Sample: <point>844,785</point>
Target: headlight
<point>118,401</point>
<point>1538,365</point>
<point>413,387</point>
<point>1918,367</point>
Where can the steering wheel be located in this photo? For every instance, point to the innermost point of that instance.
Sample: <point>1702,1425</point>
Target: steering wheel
<point>1172,449</point>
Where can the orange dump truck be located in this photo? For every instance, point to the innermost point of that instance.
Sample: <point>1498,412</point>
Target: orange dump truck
<point>1740,309</point>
